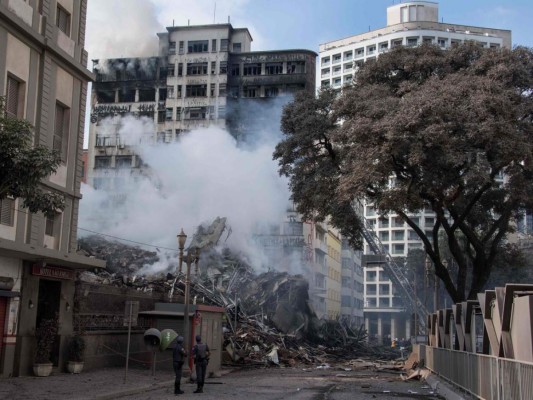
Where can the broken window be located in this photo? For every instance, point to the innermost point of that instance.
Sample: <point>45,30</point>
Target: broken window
<point>7,211</point>
<point>272,91</point>
<point>161,116</point>
<point>197,46</point>
<point>234,91</point>
<point>222,89</point>
<point>123,162</point>
<point>146,94</point>
<point>197,68</point>
<point>171,48</point>
<point>196,113</point>
<point>126,95</point>
<point>274,68</point>
<point>102,141</point>
<point>252,69</point>
<point>63,20</point>
<point>102,162</point>
<point>213,45</point>
<point>224,44</point>
<point>235,69</point>
<point>250,91</point>
<point>296,67</point>
<point>223,67</point>
<point>163,93</point>
<point>61,130</point>
<point>237,47</point>
<point>168,114</point>
<point>196,91</point>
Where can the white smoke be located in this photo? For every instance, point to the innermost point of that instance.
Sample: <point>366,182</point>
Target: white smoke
<point>189,182</point>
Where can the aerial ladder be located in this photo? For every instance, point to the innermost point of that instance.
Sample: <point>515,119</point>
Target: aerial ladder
<point>397,275</point>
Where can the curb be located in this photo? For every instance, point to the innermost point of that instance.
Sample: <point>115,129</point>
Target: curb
<point>136,390</point>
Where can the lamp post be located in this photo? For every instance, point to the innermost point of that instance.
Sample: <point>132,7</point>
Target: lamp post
<point>189,260</point>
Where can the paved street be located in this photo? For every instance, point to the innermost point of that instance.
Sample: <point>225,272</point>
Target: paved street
<point>300,384</point>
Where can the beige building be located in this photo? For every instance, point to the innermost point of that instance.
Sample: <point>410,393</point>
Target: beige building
<point>44,78</point>
<point>333,302</point>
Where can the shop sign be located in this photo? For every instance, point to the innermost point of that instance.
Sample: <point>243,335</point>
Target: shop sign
<point>53,272</point>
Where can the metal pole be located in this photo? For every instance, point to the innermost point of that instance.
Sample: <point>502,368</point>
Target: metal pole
<point>153,363</point>
<point>436,293</point>
<point>416,310</point>
<point>129,340</point>
<point>186,310</point>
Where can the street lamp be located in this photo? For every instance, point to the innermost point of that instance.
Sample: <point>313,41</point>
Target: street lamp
<point>189,260</point>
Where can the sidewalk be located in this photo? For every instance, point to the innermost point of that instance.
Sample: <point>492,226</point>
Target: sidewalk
<point>102,384</point>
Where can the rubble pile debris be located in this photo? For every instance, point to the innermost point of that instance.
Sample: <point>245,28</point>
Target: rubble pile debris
<point>269,320</point>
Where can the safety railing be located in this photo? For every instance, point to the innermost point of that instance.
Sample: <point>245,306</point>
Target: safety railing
<point>483,376</point>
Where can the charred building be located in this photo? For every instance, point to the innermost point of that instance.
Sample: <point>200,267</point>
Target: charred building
<point>203,76</point>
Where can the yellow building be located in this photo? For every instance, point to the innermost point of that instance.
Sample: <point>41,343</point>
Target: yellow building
<point>333,301</point>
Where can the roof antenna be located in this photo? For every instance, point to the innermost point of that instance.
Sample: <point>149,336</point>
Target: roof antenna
<point>172,22</point>
<point>188,22</point>
<point>228,19</point>
<point>215,12</point>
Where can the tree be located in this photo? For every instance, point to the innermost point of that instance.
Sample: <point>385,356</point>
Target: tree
<point>23,166</point>
<point>422,128</point>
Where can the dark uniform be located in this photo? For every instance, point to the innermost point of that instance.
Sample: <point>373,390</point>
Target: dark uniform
<point>178,359</point>
<point>200,353</point>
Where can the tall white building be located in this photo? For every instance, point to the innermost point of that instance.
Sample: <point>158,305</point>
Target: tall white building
<point>408,24</point>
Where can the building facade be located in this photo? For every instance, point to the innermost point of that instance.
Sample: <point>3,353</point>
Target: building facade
<point>43,77</point>
<point>333,282</point>
<point>409,24</point>
<point>352,286</point>
<point>204,75</point>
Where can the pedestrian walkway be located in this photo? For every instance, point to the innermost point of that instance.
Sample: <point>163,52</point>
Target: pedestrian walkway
<point>101,384</point>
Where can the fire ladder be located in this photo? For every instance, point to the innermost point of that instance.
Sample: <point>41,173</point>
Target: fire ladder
<point>396,274</point>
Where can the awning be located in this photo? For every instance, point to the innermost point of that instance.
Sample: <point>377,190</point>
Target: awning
<point>33,253</point>
<point>9,293</point>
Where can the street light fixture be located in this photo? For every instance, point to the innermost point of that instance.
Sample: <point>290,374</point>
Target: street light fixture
<point>189,260</point>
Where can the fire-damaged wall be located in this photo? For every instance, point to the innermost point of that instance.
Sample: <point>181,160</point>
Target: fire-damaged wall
<point>99,315</point>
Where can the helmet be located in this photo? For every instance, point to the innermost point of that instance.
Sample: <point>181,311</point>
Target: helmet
<point>179,339</point>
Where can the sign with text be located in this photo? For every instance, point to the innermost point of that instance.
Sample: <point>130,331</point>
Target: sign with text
<point>53,272</point>
<point>131,313</point>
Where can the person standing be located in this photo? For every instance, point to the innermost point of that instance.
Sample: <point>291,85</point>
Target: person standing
<point>200,353</point>
<point>178,359</point>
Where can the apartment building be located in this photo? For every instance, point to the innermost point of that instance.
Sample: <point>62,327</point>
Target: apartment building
<point>410,23</point>
<point>352,286</point>
<point>204,75</point>
<point>43,77</point>
<point>333,282</point>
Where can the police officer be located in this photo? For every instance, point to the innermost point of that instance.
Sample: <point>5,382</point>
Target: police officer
<point>178,359</point>
<point>200,353</point>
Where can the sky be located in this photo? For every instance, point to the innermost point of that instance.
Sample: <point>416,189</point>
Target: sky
<point>118,28</point>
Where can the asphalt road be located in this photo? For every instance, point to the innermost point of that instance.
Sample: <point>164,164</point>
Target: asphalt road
<point>300,384</point>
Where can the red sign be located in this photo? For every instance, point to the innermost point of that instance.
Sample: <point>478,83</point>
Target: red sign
<point>53,272</point>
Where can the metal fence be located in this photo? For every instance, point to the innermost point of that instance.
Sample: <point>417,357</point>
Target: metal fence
<point>486,377</point>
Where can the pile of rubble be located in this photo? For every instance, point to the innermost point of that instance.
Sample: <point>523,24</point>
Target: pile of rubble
<point>269,320</point>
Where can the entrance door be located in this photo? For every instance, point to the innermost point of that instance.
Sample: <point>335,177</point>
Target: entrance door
<point>48,307</point>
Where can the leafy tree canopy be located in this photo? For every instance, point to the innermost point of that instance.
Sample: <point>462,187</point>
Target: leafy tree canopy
<point>23,166</point>
<point>421,128</point>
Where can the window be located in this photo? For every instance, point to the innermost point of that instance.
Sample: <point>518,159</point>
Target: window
<point>170,92</point>
<point>178,95</point>
<point>181,51</point>
<point>250,91</point>
<point>102,162</point>
<point>197,46</point>
<point>296,67</point>
<point>171,47</point>
<point>213,67</point>
<point>197,68</point>
<point>63,20</point>
<point>325,61</point>
<point>222,88</point>
<point>146,94</point>
<point>7,211</point>
<point>196,113</point>
<point>221,112</point>
<point>61,129</point>
<point>442,42</point>
<point>337,58</point>
<point>274,68</point>
<point>252,69</point>
<point>168,114</point>
<point>360,52</point>
<point>213,45</point>
<point>171,70</point>
<point>14,96</point>
<point>234,91</point>
<point>223,44</point>
<point>178,114</point>
<point>180,69</point>
<point>212,90</point>
<point>271,91</point>
<point>123,162</point>
<point>237,47</point>
<point>411,42</point>
<point>51,227</point>
<point>223,67</point>
<point>235,69</point>
<point>196,91</point>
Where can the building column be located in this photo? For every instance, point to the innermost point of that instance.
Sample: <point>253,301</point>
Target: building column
<point>367,327</point>
<point>408,328</point>
<point>393,327</point>
<point>380,329</point>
